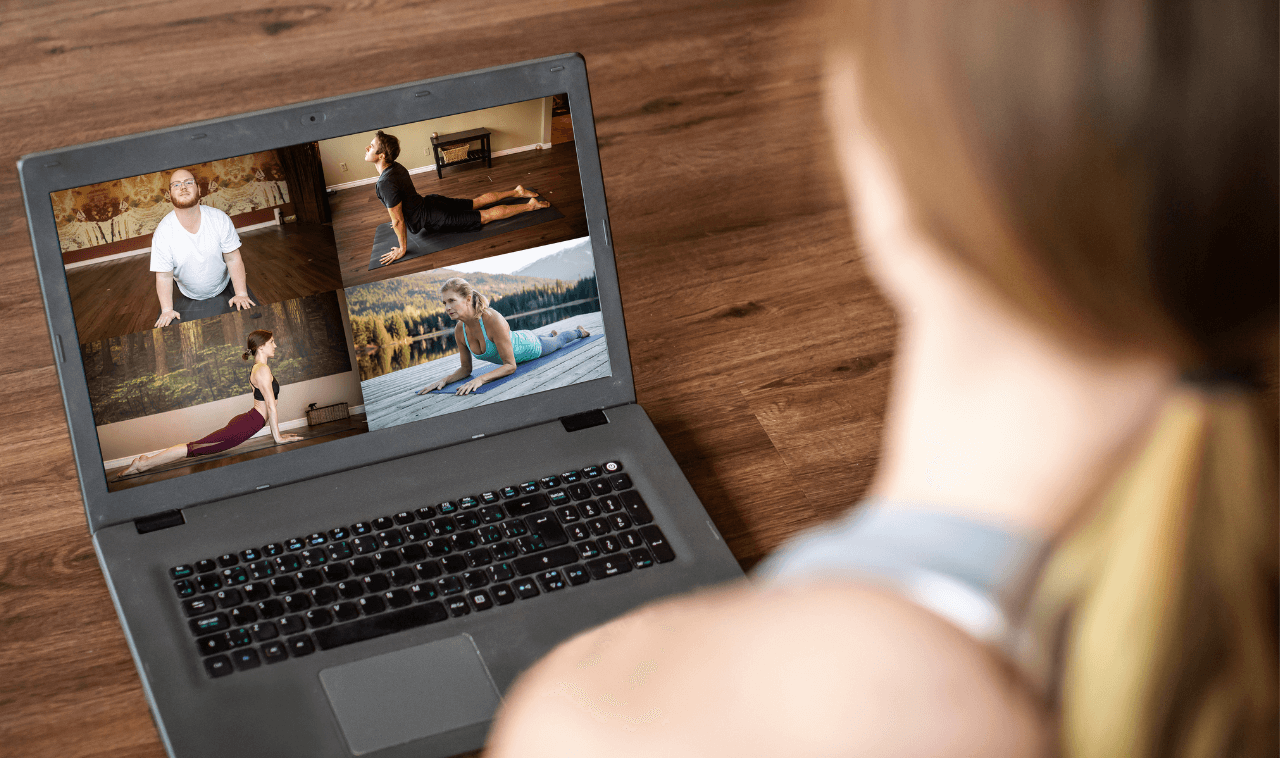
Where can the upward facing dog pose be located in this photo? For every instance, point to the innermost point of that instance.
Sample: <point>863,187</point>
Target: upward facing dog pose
<point>490,338</point>
<point>260,346</point>
<point>436,213</point>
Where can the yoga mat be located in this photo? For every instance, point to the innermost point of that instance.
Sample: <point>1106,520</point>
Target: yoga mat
<point>427,242</point>
<point>479,368</point>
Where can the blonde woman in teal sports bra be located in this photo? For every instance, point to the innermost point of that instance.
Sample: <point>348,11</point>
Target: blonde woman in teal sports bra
<point>483,333</point>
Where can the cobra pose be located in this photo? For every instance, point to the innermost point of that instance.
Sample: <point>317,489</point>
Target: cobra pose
<point>261,347</point>
<point>411,212</point>
<point>487,336</point>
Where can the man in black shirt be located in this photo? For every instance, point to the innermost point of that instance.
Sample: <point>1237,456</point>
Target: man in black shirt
<point>412,212</point>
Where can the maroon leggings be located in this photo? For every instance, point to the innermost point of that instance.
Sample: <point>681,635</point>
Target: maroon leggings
<point>237,430</point>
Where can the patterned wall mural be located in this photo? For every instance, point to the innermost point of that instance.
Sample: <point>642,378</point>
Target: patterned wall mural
<point>127,208</point>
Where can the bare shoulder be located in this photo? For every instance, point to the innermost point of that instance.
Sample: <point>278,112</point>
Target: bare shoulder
<point>494,320</point>
<point>747,671</point>
<point>261,374</point>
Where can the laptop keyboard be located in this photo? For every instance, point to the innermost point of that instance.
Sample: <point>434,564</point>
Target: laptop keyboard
<point>288,599</point>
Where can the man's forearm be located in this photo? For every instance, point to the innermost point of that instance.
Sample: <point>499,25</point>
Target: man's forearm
<point>236,267</point>
<point>164,291</point>
<point>401,236</point>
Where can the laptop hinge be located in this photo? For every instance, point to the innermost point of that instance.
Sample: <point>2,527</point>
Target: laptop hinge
<point>580,421</point>
<point>159,521</point>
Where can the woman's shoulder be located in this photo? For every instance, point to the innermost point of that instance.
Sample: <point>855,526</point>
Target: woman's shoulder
<point>261,372</point>
<point>493,319</point>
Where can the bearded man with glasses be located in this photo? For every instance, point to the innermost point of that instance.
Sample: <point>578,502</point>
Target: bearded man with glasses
<point>196,247</point>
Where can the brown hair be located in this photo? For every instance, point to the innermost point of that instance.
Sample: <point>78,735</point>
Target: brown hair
<point>257,338</point>
<point>463,287</point>
<point>390,146</point>
<point>1112,169</point>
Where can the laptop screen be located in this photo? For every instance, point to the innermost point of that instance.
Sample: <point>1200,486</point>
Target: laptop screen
<point>261,304</point>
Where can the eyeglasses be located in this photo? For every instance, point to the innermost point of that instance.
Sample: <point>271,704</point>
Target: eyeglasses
<point>187,183</point>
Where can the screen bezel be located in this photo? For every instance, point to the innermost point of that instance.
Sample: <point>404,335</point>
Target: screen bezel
<point>66,168</point>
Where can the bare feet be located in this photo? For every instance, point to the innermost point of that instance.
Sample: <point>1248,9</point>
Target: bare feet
<point>522,192</point>
<point>133,468</point>
<point>537,204</point>
<point>583,332</point>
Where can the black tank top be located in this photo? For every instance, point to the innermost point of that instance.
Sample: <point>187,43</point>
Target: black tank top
<point>275,389</point>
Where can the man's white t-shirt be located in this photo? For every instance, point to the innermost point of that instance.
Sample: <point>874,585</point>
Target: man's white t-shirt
<point>195,259</point>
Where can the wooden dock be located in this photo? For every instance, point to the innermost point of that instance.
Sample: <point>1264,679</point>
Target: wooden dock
<point>393,399</point>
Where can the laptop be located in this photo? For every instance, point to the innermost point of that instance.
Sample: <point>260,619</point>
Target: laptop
<point>364,565</point>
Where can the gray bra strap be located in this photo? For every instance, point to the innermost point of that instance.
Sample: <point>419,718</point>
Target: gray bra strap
<point>973,574</point>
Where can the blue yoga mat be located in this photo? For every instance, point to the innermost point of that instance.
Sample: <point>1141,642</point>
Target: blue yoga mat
<point>479,368</point>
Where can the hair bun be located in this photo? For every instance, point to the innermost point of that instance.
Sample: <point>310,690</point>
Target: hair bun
<point>244,356</point>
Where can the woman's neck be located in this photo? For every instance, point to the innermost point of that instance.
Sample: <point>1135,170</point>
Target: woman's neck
<point>994,418</point>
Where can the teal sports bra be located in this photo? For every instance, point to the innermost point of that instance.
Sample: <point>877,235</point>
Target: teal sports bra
<point>524,344</point>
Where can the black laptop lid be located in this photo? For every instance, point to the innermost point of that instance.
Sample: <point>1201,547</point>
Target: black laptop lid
<point>247,166</point>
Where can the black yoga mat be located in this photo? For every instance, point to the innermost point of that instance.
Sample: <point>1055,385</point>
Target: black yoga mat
<point>479,367</point>
<point>426,242</point>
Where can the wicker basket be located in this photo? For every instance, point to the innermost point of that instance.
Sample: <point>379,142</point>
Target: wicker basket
<point>455,154</point>
<point>334,412</point>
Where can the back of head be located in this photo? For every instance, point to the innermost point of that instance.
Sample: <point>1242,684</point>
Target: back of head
<point>390,145</point>
<point>1111,169</point>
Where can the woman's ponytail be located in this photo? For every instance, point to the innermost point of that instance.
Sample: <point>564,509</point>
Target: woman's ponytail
<point>1170,649</point>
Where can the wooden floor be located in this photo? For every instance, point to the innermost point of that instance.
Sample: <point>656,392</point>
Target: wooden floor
<point>393,399</point>
<point>255,447</point>
<point>281,263</point>
<point>357,212</point>
<point>760,348</point>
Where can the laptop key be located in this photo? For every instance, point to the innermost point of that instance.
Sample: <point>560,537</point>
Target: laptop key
<point>398,598</point>
<point>453,563</point>
<point>184,588</point>
<point>548,528</point>
<point>579,491</point>
<point>371,604</point>
<point>272,550</point>
<point>641,558</point>
<point>246,659</point>
<point>283,585</point>
<point>551,581</point>
<point>255,591</point>
<point>491,514</point>
<point>319,617</point>
<point>230,559</point>
<point>199,605</point>
<point>377,626</point>
<point>503,550</point>
<point>243,615</point>
<point>620,521</point>
<point>458,606</point>
<point>362,528</point>
<point>590,509</point>
<point>474,580</point>
<point>217,622</point>
<point>208,583</point>
<point>383,522</point>
<point>413,553</point>
<point>526,505</point>
<point>404,517</point>
<point>264,631</point>
<point>275,652</point>
<point>338,534</point>
<point>261,570</point>
<point>636,507</point>
<point>300,646</point>
<point>578,532</point>
<point>239,637</point>
<point>317,539</point>
<point>568,515</point>
<point>269,609</point>
<point>571,477</point>
<point>343,612</point>
<point>525,588</point>
<point>206,566</point>
<point>611,565</point>
<point>479,557</point>
<point>309,578</point>
<point>335,572</point>
<point>509,492</point>
<point>218,665</point>
<point>391,538</point>
<point>631,539</point>
<point>324,595</point>
<point>375,583</point>
<point>363,565</point>
<point>288,563</point>
<point>600,487</point>
<point>427,569</point>
<point>399,577</point>
<point>610,504</point>
<point>295,544</point>
<point>387,559</point>
<point>425,513</point>
<point>609,544</point>
<point>576,575</point>
<point>662,552</point>
<point>340,551</point>
<point>468,520</point>
<point>480,600</point>
<point>296,603</point>
<point>561,556</point>
<point>489,498</point>
<point>598,526</point>
<point>216,643</point>
<point>423,592</point>
<point>468,501</point>
<point>588,549</point>
<point>514,529</point>
<point>417,532</point>
<point>501,572</point>
<point>549,482</point>
<point>502,594</point>
<point>613,467</point>
<point>591,472</point>
<point>620,482</point>
<point>235,575</point>
<point>350,590</point>
<point>181,572</point>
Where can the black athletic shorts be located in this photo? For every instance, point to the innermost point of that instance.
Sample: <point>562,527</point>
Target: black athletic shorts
<point>449,214</point>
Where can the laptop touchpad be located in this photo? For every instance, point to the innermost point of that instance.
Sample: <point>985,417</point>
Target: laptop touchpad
<point>403,696</point>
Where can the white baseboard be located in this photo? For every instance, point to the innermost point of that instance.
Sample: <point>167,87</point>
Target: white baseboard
<point>266,430</point>
<point>147,250</point>
<point>432,167</point>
